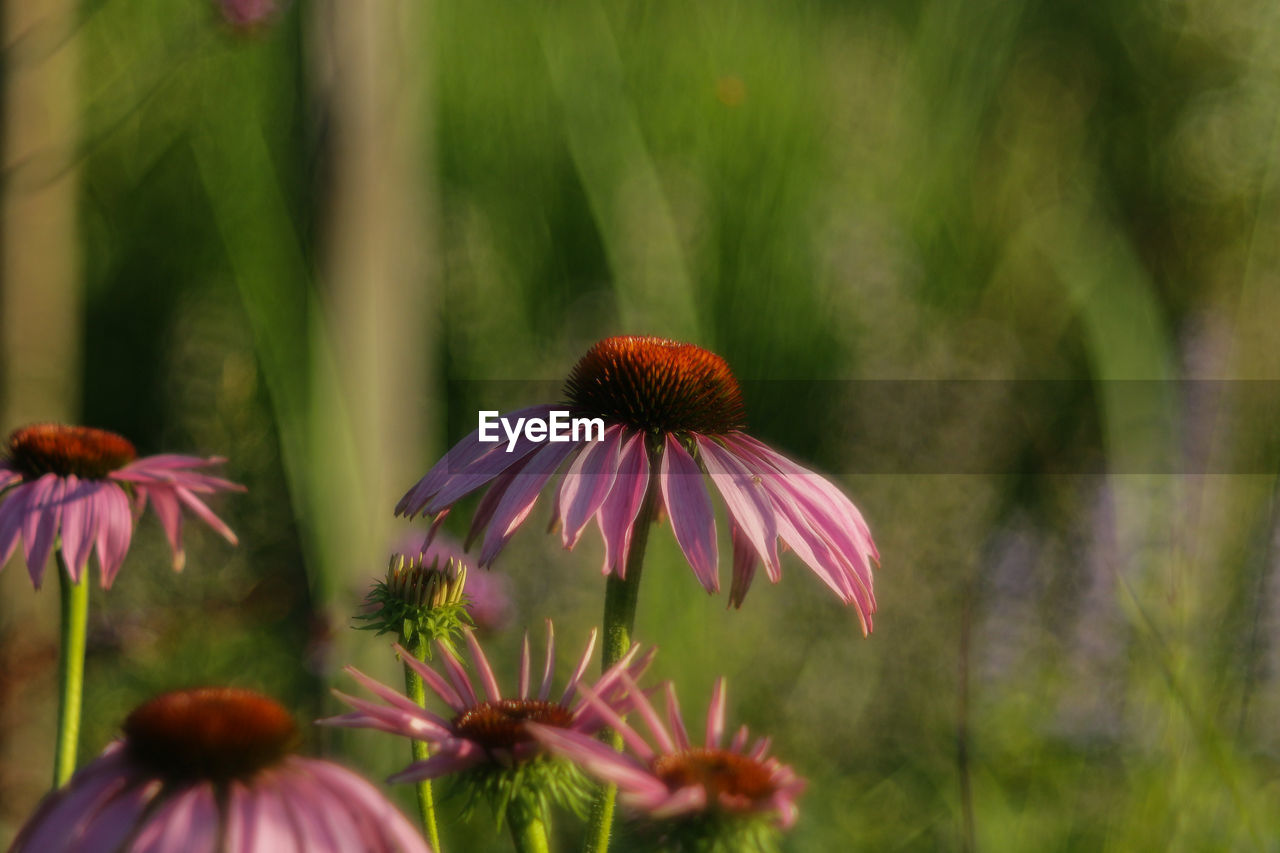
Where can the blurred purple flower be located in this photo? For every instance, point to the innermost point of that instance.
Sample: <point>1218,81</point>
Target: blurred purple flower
<point>71,481</point>
<point>209,769</point>
<point>678,779</point>
<point>489,730</point>
<point>248,14</point>
<point>673,414</point>
<point>488,593</point>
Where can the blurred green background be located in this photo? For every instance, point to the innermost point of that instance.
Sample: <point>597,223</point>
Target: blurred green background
<point>309,245</point>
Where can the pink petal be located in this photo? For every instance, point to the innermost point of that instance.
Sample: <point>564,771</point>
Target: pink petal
<point>583,662</point>
<point>205,514</point>
<point>599,760</point>
<point>40,525</point>
<point>715,716</point>
<point>748,501</point>
<point>482,667</point>
<point>587,483</point>
<point>167,509</point>
<point>524,667</point>
<point>432,679</point>
<point>519,498</point>
<point>259,822</point>
<point>8,476</point>
<point>674,719</point>
<point>78,523</point>
<point>617,514</point>
<point>549,664</point>
<point>489,503</point>
<point>691,798</point>
<point>466,467</point>
<point>186,821</point>
<point>633,740</point>
<point>452,757</point>
<point>689,508</point>
<point>13,509</point>
<point>115,531</point>
<point>744,566</point>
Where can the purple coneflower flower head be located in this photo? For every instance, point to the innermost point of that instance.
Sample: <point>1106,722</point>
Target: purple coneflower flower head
<point>488,593</point>
<point>674,419</point>
<point>485,730</point>
<point>717,788</point>
<point>74,482</point>
<point>210,770</point>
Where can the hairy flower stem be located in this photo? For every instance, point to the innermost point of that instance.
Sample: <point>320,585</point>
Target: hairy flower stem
<point>414,688</point>
<point>619,619</point>
<point>528,829</point>
<point>75,620</point>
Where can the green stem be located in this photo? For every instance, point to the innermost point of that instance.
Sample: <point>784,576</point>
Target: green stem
<point>619,620</point>
<point>528,830</point>
<point>75,621</point>
<point>416,691</point>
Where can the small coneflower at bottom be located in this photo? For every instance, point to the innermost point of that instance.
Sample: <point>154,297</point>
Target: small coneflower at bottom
<point>692,799</point>
<point>482,741</point>
<point>211,769</point>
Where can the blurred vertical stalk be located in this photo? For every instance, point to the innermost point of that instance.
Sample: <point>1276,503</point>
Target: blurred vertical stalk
<point>40,314</point>
<point>371,73</point>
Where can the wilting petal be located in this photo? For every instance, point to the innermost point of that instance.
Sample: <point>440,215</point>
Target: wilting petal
<point>165,504</point>
<point>689,508</point>
<point>744,566</point>
<point>521,495</point>
<point>13,509</point>
<point>115,531</point>
<point>78,523</point>
<point>748,501</point>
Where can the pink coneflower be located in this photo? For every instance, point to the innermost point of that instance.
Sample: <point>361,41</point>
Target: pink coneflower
<point>73,482</point>
<point>489,730</point>
<point>675,780</point>
<point>674,416</point>
<point>210,769</point>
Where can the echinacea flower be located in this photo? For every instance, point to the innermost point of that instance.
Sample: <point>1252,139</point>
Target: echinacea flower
<point>209,770</point>
<point>488,593</point>
<point>486,732</point>
<point>73,482</point>
<point>674,416</point>
<point>735,788</point>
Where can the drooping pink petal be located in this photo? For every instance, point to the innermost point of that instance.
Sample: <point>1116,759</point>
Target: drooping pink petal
<point>466,467</point>
<point>78,523</point>
<point>13,509</point>
<point>258,822</point>
<point>587,483</point>
<point>692,519</point>
<point>115,531</point>
<point>739,739</point>
<point>40,526</point>
<point>390,695</point>
<point>187,821</point>
<point>520,497</point>
<point>748,501</point>
<point>633,740</point>
<point>8,476</point>
<point>167,509</point>
<point>193,503</point>
<point>617,514</point>
<point>458,676</point>
<point>745,561</point>
<point>489,503</point>
<point>382,825</point>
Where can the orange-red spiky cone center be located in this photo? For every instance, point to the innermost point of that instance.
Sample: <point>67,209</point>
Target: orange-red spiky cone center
<point>500,725</point>
<point>716,770</point>
<point>59,449</point>
<point>656,385</point>
<point>210,733</point>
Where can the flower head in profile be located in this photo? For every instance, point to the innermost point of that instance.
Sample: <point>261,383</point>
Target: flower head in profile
<point>483,734</point>
<point>716,796</point>
<point>674,418</point>
<point>74,483</point>
<point>488,598</point>
<point>209,770</point>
